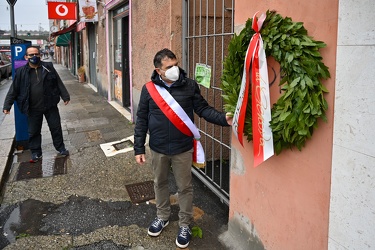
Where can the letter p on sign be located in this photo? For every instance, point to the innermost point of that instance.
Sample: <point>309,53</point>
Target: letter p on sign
<point>18,50</point>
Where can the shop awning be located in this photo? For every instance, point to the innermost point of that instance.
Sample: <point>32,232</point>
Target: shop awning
<point>63,40</point>
<point>64,31</point>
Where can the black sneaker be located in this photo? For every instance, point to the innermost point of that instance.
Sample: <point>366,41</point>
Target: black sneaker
<point>64,152</point>
<point>157,226</point>
<point>183,237</point>
<point>35,157</point>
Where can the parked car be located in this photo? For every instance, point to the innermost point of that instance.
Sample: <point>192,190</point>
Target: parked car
<point>5,65</point>
<point>9,55</point>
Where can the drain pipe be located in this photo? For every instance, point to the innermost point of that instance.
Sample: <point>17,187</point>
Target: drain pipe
<point>109,73</point>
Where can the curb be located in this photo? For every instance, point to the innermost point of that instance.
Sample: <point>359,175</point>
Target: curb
<point>7,138</point>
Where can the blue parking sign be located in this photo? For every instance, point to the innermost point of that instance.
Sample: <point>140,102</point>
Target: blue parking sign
<point>18,49</point>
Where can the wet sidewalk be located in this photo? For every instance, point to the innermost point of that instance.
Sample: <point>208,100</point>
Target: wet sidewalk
<point>82,201</point>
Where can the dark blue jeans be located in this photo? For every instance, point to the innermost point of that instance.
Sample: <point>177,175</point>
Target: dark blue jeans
<point>35,121</point>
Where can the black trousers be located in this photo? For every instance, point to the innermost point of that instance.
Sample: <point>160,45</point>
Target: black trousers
<point>35,121</point>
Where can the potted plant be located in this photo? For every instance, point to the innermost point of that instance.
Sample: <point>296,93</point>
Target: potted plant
<point>81,74</point>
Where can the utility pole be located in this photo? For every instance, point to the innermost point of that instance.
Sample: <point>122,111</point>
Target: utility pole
<point>11,4</point>
<point>18,48</point>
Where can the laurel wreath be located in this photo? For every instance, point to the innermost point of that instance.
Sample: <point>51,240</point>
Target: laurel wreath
<point>295,114</point>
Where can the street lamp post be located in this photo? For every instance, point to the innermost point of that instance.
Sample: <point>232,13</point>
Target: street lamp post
<point>18,48</point>
<point>11,4</point>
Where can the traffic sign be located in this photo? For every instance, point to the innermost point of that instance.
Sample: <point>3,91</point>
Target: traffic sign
<point>11,2</point>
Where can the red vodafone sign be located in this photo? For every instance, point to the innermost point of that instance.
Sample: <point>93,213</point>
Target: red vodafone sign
<point>62,10</point>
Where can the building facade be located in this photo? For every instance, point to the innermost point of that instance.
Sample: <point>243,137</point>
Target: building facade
<point>321,197</point>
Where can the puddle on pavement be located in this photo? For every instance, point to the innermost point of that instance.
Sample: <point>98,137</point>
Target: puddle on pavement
<point>46,167</point>
<point>79,215</point>
<point>22,219</point>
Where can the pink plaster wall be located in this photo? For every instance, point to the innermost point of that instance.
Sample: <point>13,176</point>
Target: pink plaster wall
<point>101,68</point>
<point>155,25</point>
<point>286,199</point>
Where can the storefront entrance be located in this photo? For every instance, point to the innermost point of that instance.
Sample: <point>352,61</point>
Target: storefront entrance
<point>92,53</point>
<point>121,79</point>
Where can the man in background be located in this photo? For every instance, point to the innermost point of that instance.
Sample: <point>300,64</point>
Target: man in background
<point>37,88</point>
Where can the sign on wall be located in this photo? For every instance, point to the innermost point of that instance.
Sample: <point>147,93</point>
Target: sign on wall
<point>62,11</point>
<point>88,11</point>
<point>203,74</point>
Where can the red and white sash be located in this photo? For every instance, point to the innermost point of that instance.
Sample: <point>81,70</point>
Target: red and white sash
<point>261,108</point>
<point>174,112</point>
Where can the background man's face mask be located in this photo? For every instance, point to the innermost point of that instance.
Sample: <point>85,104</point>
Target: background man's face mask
<point>173,73</point>
<point>34,59</point>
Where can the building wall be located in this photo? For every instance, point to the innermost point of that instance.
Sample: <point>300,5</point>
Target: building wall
<point>101,49</point>
<point>352,211</point>
<point>284,202</point>
<point>154,25</point>
<point>85,51</point>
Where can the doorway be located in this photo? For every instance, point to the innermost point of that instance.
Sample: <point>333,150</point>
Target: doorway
<point>121,78</point>
<point>92,53</point>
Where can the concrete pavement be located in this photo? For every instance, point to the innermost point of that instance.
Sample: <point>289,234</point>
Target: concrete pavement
<point>85,204</point>
<point>7,133</point>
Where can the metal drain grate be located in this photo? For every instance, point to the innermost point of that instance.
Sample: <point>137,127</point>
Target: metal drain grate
<point>42,168</point>
<point>140,192</point>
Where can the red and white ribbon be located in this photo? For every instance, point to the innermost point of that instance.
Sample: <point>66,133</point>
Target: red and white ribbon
<point>261,108</point>
<point>175,113</point>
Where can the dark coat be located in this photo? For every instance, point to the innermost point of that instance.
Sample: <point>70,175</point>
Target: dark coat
<point>20,89</point>
<point>165,138</point>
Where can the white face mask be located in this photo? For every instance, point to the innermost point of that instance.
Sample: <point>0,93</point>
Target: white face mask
<point>173,73</point>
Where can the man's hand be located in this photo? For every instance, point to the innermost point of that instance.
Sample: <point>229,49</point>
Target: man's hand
<point>7,112</point>
<point>229,117</point>
<point>66,102</point>
<point>141,159</point>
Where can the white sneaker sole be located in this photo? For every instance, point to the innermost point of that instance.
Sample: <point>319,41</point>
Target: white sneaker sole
<point>182,246</point>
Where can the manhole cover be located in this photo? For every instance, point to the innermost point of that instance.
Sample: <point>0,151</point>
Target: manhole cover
<point>140,192</point>
<point>123,145</point>
<point>43,168</point>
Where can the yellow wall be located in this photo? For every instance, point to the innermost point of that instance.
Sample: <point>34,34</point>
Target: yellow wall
<point>284,203</point>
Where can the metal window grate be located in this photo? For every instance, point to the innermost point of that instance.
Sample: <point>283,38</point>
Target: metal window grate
<point>208,28</point>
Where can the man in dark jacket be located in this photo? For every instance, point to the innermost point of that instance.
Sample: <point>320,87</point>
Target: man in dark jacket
<point>37,88</point>
<point>169,146</point>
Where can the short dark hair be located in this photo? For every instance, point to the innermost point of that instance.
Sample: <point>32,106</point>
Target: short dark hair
<point>162,54</point>
<point>36,47</point>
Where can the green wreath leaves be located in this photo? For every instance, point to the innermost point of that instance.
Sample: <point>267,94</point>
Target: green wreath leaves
<point>302,103</point>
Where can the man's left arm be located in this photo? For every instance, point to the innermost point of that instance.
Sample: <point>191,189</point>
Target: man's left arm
<point>210,114</point>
